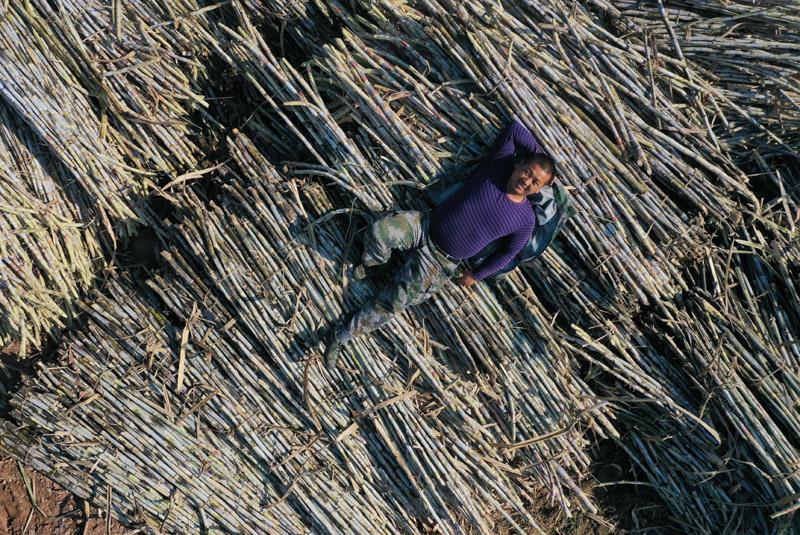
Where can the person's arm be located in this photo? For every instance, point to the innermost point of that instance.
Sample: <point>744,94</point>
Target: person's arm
<point>510,139</point>
<point>513,244</point>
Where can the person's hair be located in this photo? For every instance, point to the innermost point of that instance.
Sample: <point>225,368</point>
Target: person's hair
<point>542,159</point>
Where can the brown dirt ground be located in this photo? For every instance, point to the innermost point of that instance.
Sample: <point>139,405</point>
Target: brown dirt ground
<point>54,501</point>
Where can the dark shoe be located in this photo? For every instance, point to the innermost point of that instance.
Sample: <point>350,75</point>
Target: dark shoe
<point>333,347</point>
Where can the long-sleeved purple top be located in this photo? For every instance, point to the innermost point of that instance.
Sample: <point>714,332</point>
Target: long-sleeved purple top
<point>481,212</point>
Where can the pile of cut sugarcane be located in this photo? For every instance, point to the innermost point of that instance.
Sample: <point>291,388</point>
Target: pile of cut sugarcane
<point>107,103</point>
<point>665,317</point>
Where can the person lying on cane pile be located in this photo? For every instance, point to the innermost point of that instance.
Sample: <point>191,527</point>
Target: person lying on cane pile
<point>491,205</point>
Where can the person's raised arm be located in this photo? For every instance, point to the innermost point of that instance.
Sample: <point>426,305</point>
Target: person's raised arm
<point>510,139</point>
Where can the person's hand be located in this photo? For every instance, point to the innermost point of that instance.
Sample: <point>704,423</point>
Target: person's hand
<point>466,278</point>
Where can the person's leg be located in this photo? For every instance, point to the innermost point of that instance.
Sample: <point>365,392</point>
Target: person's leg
<point>401,231</point>
<point>420,278</point>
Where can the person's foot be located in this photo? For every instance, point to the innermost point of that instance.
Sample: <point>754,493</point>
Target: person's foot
<point>333,347</point>
<point>360,272</point>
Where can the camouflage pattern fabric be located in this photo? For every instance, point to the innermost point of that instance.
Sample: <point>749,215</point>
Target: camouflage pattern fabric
<point>424,273</point>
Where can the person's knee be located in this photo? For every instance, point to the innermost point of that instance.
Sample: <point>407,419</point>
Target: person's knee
<point>380,231</point>
<point>375,249</point>
<point>374,231</point>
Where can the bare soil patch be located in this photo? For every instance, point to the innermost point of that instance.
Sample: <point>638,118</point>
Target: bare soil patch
<point>62,513</point>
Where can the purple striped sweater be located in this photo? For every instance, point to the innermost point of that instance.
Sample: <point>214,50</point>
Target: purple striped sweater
<point>481,212</point>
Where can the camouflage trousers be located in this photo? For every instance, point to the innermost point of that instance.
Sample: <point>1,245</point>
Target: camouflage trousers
<point>424,273</point>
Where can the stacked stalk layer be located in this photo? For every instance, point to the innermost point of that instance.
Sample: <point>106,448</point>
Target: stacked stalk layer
<point>666,316</point>
<point>108,89</point>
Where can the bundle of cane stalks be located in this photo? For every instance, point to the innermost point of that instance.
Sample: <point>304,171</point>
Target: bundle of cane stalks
<point>747,58</point>
<point>108,89</point>
<point>665,318</point>
<point>50,247</point>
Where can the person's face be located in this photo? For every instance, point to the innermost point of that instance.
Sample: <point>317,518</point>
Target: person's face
<point>527,179</point>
